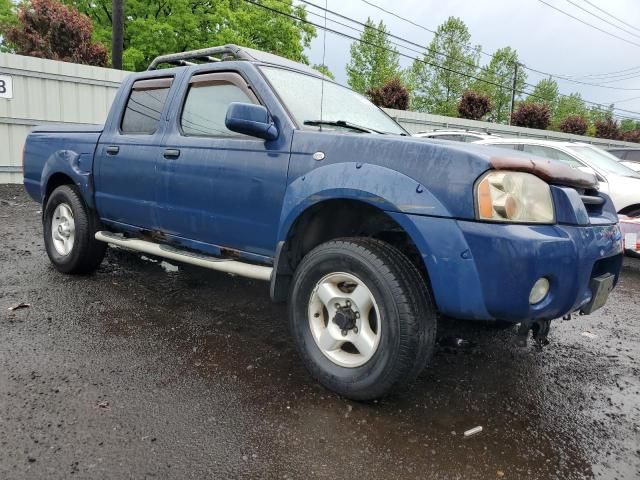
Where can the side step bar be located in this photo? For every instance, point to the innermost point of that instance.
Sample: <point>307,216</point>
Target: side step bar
<point>242,269</point>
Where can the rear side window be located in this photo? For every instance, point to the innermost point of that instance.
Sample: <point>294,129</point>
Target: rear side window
<point>632,155</point>
<point>207,101</point>
<point>507,146</point>
<point>553,154</point>
<point>144,107</point>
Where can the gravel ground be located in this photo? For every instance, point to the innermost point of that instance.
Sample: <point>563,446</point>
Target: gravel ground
<point>147,370</point>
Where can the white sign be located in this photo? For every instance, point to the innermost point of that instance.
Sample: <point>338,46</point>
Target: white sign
<point>6,86</point>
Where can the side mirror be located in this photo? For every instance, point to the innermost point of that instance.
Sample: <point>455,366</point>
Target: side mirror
<point>250,119</point>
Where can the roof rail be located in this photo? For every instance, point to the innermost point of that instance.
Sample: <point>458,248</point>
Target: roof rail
<point>212,54</point>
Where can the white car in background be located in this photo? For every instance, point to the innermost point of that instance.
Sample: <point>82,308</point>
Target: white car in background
<point>467,136</point>
<point>618,181</point>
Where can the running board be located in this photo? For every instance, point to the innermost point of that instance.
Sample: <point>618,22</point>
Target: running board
<point>242,269</point>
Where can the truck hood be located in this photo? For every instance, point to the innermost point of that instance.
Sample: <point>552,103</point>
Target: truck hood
<point>448,170</point>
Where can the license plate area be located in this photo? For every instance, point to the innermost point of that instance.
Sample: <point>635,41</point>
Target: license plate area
<point>600,286</point>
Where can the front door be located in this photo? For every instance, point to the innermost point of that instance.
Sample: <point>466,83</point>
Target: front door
<point>125,166</point>
<point>219,187</point>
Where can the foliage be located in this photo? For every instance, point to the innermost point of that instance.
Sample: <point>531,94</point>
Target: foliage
<point>496,81</point>
<point>373,59</point>
<point>607,128</point>
<point>474,105</point>
<point>569,105</point>
<point>545,91</point>
<point>49,29</point>
<point>8,19</point>
<point>631,135</point>
<point>392,94</point>
<point>575,124</point>
<point>156,27</point>
<point>628,125</point>
<point>323,69</point>
<point>439,78</point>
<point>598,113</point>
<point>532,115</point>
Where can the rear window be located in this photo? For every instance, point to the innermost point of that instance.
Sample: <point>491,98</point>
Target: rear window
<point>144,107</point>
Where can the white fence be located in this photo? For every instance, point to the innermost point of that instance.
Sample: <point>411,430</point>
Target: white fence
<point>34,91</point>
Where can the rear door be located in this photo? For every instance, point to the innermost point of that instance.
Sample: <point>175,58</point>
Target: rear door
<point>219,187</point>
<point>125,166</point>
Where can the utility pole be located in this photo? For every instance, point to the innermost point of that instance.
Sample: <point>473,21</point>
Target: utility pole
<point>513,89</point>
<point>117,33</point>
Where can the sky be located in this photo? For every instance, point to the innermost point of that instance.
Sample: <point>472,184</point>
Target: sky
<point>545,39</point>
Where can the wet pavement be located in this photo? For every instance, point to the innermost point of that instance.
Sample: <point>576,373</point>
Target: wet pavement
<point>145,370</point>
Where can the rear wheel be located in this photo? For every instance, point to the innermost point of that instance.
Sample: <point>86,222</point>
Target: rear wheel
<point>362,317</point>
<point>69,232</point>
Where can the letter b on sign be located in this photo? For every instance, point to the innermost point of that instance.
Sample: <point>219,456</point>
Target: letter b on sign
<point>6,86</point>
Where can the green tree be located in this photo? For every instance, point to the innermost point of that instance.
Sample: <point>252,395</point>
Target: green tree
<point>443,74</point>
<point>373,59</point>
<point>496,81</point>
<point>323,69</point>
<point>8,19</point>
<point>568,105</point>
<point>156,27</point>
<point>628,125</point>
<point>545,91</point>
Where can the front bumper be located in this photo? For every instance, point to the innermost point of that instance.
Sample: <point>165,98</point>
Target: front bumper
<point>485,271</point>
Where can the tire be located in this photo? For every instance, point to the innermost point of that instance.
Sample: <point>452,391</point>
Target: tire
<point>67,214</point>
<point>402,317</point>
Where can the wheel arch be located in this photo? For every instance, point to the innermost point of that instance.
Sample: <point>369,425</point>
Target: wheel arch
<point>630,209</point>
<point>337,218</point>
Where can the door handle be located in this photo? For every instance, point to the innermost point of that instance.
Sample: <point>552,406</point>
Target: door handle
<point>171,153</point>
<point>113,150</point>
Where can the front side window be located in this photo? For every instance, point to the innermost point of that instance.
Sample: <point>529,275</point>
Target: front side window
<point>599,159</point>
<point>206,106</point>
<point>303,95</point>
<point>144,107</point>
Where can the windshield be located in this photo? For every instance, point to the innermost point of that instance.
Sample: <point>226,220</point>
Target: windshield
<point>301,94</point>
<point>602,160</point>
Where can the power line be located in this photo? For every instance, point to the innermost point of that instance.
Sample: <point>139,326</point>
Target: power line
<point>602,19</point>
<point>423,50</point>
<point>404,19</point>
<point>612,16</point>
<point>567,79</point>
<point>350,37</point>
<point>589,24</point>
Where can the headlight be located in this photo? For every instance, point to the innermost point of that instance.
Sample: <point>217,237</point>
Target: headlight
<point>514,197</point>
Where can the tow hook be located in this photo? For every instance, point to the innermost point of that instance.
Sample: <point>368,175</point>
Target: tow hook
<point>540,332</point>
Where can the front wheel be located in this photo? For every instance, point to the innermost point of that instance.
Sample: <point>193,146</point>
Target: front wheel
<point>69,228</point>
<point>362,317</point>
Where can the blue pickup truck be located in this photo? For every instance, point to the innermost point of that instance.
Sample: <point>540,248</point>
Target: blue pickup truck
<point>244,162</point>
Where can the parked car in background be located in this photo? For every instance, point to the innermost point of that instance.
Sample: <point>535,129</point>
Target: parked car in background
<point>630,228</point>
<point>629,157</point>
<point>468,136</point>
<point>620,182</point>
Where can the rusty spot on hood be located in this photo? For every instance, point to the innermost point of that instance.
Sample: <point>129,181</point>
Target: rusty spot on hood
<point>550,171</point>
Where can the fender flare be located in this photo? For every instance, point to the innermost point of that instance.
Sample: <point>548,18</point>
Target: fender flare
<point>381,187</point>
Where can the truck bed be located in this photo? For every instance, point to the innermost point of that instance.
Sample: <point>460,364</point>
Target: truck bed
<point>67,149</point>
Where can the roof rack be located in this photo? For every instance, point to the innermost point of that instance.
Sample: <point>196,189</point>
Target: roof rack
<point>204,55</point>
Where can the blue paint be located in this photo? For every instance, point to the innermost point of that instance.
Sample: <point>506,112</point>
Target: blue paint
<point>240,196</point>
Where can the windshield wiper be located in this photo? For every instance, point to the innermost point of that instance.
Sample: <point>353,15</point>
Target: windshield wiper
<point>343,124</point>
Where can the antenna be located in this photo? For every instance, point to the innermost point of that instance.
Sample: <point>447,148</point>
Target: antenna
<point>324,52</point>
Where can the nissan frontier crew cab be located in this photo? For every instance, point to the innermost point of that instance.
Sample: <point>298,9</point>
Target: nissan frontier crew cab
<point>244,162</point>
